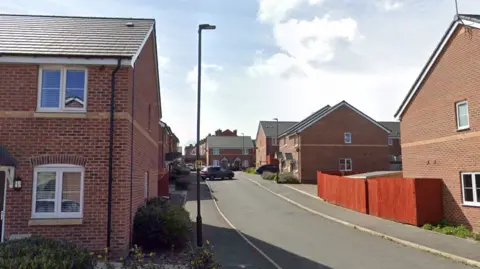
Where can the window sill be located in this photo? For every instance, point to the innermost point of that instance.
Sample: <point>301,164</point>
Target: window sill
<point>463,129</point>
<point>471,205</point>
<point>54,222</point>
<point>60,114</point>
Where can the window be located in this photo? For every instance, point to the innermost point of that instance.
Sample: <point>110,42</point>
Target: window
<point>245,151</point>
<point>390,141</point>
<point>216,151</point>
<point>145,193</point>
<point>347,138</point>
<point>245,163</point>
<point>285,140</point>
<point>216,163</point>
<point>274,141</point>
<point>471,188</point>
<point>462,115</point>
<point>295,142</point>
<point>58,191</point>
<point>62,89</point>
<point>345,164</point>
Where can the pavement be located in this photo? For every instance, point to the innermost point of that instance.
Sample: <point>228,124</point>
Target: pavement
<point>449,245</point>
<point>282,235</point>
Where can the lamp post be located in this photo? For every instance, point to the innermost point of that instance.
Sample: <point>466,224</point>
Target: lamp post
<point>199,87</point>
<point>278,145</point>
<point>243,149</point>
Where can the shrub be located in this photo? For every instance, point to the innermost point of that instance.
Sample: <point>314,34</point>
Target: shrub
<point>428,226</point>
<point>204,257</point>
<point>38,252</point>
<point>164,226</point>
<point>135,259</point>
<point>268,176</point>
<point>250,170</point>
<point>287,178</point>
<point>463,232</point>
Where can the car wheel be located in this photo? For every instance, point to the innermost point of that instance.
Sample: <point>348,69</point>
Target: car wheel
<point>212,178</point>
<point>230,177</point>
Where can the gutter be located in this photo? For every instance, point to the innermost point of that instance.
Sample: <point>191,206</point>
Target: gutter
<point>131,157</point>
<point>110,154</point>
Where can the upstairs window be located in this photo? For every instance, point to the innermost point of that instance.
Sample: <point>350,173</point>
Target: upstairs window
<point>274,141</point>
<point>62,89</point>
<point>345,164</point>
<point>216,151</point>
<point>347,138</point>
<point>245,151</point>
<point>462,115</point>
<point>390,141</point>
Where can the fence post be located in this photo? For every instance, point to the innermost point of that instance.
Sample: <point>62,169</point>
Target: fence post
<point>367,202</point>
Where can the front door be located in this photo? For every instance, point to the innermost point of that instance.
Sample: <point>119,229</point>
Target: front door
<point>3,186</point>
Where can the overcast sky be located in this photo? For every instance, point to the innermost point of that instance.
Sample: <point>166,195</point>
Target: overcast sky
<point>278,58</point>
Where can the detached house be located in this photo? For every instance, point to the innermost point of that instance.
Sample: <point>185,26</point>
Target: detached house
<point>266,142</point>
<point>440,121</point>
<point>337,140</point>
<point>79,126</point>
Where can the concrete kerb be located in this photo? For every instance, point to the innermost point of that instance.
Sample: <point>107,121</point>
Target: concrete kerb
<point>372,232</point>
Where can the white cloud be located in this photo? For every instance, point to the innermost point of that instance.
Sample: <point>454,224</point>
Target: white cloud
<point>277,10</point>
<point>162,62</point>
<point>389,5</point>
<point>209,83</point>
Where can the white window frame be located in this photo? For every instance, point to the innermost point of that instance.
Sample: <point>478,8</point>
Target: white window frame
<point>216,163</point>
<point>345,138</point>
<point>216,151</point>
<point>457,104</point>
<point>390,141</point>
<point>274,141</point>
<point>346,159</point>
<point>245,151</point>
<point>59,169</point>
<point>476,200</point>
<point>63,85</point>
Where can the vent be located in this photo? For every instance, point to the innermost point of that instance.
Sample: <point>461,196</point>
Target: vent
<point>129,24</point>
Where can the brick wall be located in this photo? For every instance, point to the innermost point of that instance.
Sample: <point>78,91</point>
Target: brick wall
<point>395,148</point>
<point>231,155</point>
<point>431,145</point>
<point>261,148</point>
<point>322,144</point>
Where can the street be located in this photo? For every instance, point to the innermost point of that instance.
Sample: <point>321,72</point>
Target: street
<point>291,236</point>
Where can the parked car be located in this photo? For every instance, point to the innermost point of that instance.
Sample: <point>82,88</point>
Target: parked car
<point>213,172</point>
<point>267,168</point>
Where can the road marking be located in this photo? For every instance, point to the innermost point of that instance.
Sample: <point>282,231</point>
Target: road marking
<point>372,232</point>
<point>240,233</point>
<point>303,192</point>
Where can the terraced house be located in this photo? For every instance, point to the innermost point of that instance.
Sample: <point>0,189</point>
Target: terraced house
<point>79,126</point>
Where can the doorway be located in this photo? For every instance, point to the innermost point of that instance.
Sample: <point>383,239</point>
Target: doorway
<point>3,193</point>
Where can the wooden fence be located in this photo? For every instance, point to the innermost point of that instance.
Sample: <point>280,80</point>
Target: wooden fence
<point>414,201</point>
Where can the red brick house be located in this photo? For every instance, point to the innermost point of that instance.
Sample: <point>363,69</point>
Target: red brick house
<point>78,126</point>
<point>226,149</point>
<point>339,139</point>
<point>266,140</point>
<point>440,121</point>
<point>395,155</point>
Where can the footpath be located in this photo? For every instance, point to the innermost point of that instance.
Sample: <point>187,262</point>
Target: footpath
<point>458,249</point>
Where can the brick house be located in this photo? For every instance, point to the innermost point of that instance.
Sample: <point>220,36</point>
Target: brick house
<point>229,150</point>
<point>78,125</point>
<point>339,139</point>
<point>266,140</point>
<point>395,155</point>
<point>440,121</point>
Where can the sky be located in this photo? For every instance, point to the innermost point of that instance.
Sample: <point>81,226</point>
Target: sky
<point>280,59</point>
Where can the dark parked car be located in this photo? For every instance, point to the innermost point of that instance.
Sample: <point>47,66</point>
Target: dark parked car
<point>213,172</point>
<point>267,168</point>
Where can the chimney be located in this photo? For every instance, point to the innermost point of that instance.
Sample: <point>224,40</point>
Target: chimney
<point>209,134</point>
<point>235,132</point>
<point>218,132</point>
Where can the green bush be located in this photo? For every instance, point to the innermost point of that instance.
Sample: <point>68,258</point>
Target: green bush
<point>269,175</point>
<point>288,178</point>
<point>445,227</point>
<point>204,257</point>
<point>250,170</point>
<point>161,226</point>
<point>42,253</point>
<point>428,226</point>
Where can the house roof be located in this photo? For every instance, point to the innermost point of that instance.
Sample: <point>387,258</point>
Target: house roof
<point>315,117</point>
<point>467,19</point>
<point>307,122</point>
<point>229,142</point>
<point>72,36</point>
<point>6,159</point>
<point>270,127</point>
<point>393,126</point>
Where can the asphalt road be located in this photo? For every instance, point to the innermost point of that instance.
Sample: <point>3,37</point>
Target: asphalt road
<point>293,237</point>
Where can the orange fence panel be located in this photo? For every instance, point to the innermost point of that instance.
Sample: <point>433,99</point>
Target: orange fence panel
<point>343,191</point>
<point>429,200</point>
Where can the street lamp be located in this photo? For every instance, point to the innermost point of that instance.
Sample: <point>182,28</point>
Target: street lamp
<point>278,146</point>
<point>243,149</point>
<point>199,87</point>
